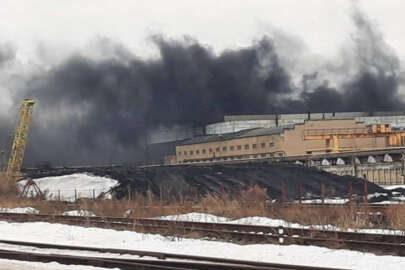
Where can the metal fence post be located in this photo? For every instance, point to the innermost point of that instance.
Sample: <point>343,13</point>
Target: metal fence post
<point>283,192</point>
<point>300,191</point>
<point>365,191</point>
<point>322,192</point>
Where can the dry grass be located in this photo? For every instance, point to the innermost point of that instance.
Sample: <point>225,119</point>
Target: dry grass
<point>250,202</point>
<point>8,186</point>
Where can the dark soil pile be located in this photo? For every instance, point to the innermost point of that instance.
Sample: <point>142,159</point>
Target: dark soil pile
<point>183,181</point>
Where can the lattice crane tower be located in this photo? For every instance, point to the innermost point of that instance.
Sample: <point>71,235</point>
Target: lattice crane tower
<point>20,138</point>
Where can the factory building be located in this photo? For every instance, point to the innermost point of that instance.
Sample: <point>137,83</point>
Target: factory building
<point>309,137</point>
<point>234,123</point>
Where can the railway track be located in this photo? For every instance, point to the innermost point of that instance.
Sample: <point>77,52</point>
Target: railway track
<point>160,260</point>
<point>237,233</point>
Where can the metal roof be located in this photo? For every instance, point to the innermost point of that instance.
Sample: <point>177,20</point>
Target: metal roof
<point>254,132</point>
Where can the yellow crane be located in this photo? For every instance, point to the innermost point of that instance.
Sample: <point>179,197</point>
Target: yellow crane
<point>20,139</point>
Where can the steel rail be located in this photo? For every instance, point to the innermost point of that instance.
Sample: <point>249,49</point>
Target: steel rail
<point>147,222</point>
<point>164,256</point>
<point>377,243</point>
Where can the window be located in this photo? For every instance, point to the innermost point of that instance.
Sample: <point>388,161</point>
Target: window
<point>217,150</point>
<point>203,151</point>
<point>232,148</point>
<point>263,145</point>
<point>246,146</point>
<point>239,147</point>
<point>185,153</point>
<point>224,148</point>
<point>254,156</point>
<point>197,152</point>
<point>179,153</point>
<point>191,152</point>
<point>210,150</point>
<point>254,146</point>
<point>271,144</point>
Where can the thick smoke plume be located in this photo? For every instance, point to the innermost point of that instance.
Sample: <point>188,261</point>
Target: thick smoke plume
<point>96,111</point>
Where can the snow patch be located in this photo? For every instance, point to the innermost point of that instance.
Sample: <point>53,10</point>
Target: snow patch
<point>196,217</point>
<point>74,186</point>
<point>82,213</point>
<point>394,187</point>
<point>20,210</point>
<point>264,221</point>
<point>326,200</point>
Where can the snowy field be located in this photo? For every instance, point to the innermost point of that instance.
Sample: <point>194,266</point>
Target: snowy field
<point>73,186</point>
<point>74,235</point>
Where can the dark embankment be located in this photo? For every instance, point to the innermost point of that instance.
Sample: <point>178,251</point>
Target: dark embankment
<point>187,181</point>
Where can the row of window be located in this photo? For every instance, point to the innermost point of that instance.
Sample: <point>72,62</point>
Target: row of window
<point>268,155</point>
<point>225,148</point>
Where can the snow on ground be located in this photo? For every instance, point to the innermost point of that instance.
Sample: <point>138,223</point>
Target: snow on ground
<point>20,210</point>
<point>201,217</point>
<point>326,200</point>
<point>197,217</point>
<point>82,213</point>
<point>21,265</point>
<point>73,186</point>
<point>292,254</point>
<point>394,187</point>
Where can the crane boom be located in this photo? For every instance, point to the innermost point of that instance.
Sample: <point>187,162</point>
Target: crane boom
<point>20,138</point>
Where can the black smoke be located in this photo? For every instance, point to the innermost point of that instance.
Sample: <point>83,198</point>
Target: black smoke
<point>96,111</point>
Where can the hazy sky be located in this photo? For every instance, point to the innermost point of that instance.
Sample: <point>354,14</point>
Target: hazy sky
<point>58,27</point>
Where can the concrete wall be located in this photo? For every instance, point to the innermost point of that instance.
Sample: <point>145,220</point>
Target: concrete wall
<point>382,174</point>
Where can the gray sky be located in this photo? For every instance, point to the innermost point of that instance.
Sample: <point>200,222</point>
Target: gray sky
<point>63,26</point>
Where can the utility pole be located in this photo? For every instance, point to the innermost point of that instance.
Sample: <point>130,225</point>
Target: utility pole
<point>3,162</point>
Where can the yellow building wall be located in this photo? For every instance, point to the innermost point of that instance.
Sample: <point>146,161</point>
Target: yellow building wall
<point>290,142</point>
<point>241,147</point>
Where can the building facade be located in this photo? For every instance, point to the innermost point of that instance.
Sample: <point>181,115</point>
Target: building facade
<point>307,138</point>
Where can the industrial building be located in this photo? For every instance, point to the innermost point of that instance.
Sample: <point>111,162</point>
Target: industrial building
<point>234,123</point>
<point>312,135</point>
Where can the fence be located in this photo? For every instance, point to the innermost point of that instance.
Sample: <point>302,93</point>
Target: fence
<point>72,195</point>
<point>324,197</point>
